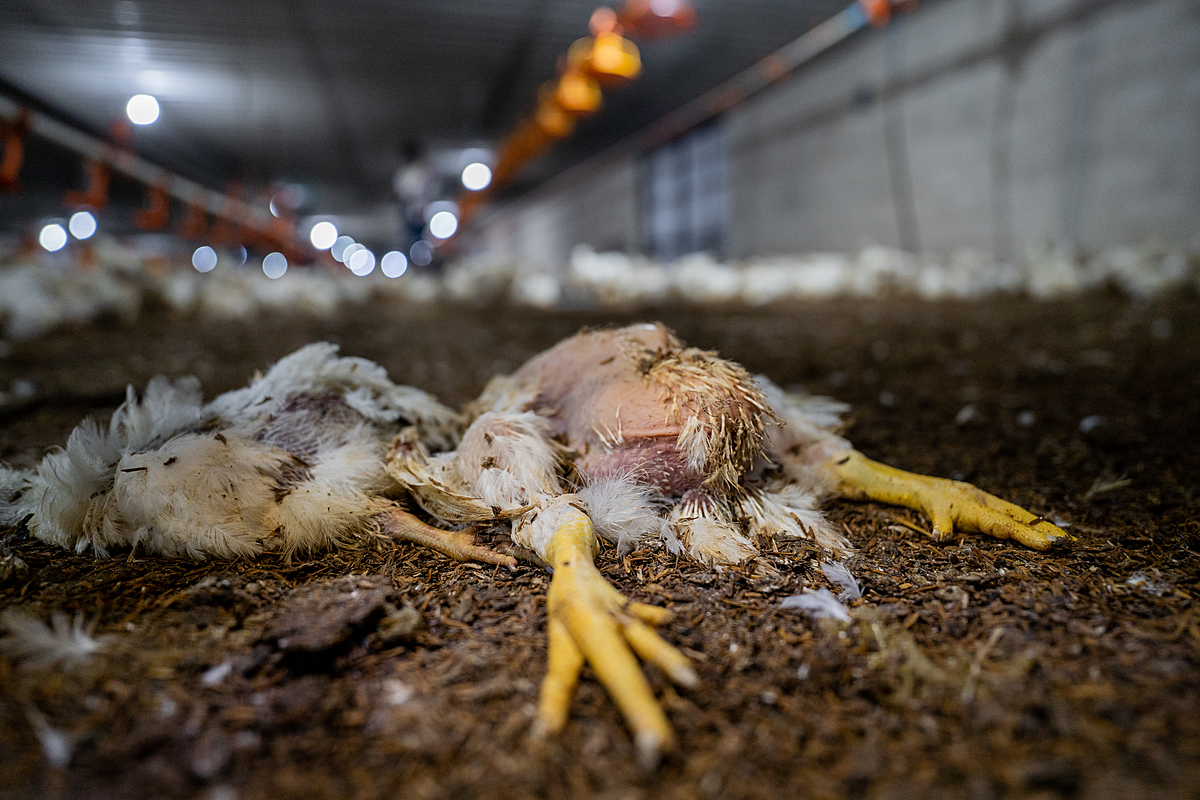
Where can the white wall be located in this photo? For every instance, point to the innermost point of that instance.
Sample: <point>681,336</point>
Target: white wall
<point>996,125</point>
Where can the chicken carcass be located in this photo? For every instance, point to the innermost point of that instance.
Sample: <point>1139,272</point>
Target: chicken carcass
<point>625,434</point>
<point>628,433</point>
<point>296,461</point>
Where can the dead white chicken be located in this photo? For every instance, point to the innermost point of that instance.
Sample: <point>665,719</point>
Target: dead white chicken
<point>628,433</point>
<point>296,461</point>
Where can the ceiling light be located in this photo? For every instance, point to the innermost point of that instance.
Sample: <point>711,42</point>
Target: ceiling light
<point>204,259</point>
<point>323,235</point>
<point>350,250</point>
<point>421,253</point>
<point>362,263</point>
<point>338,250</point>
<point>142,109</point>
<point>274,265</point>
<point>476,176</point>
<point>443,224</point>
<point>82,225</point>
<point>53,237</point>
<point>393,264</point>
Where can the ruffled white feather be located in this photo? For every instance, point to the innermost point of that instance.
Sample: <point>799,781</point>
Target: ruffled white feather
<point>362,384</point>
<point>36,645</point>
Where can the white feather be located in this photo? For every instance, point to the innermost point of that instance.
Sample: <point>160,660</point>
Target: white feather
<point>13,483</point>
<point>709,536</point>
<point>66,488</point>
<point>57,746</point>
<point>518,444</point>
<point>790,511</point>
<point>805,421</point>
<point>362,384</point>
<point>623,509</point>
<point>818,604</point>
<point>34,644</point>
<point>840,574</point>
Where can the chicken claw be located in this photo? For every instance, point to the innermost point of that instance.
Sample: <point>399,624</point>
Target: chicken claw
<point>458,545</point>
<point>948,504</point>
<point>591,621</point>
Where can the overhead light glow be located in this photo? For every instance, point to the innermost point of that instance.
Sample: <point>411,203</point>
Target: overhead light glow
<point>443,224</point>
<point>393,264</point>
<point>204,259</point>
<point>240,255</point>
<point>476,176</point>
<point>53,237</point>
<point>82,225</point>
<point>142,109</point>
<point>338,250</point>
<point>323,235</point>
<point>362,263</point>
<point>421,253</point>
<point>274,208</point>
<point>349,252</point>
<point>274,265</point>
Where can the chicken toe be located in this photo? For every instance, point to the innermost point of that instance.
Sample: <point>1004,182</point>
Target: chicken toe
<point>948,504</point>
<point>591,621</point>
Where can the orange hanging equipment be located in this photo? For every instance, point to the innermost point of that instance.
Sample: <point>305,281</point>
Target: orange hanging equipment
<point>606,55</point>
<point>195,222</point>
<point>577,93</point>
<point>95,196</point>
<point>156,214</point>
<point>13,136</point>
<point>657,19</point>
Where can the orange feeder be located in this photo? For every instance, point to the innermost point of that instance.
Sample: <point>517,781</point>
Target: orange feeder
<point>96,193</point>
<point>156,214</point>
<point>577,93</point>
<point>195,222</point>
<point>878,12</point>
<point>608,57</point>
<point>657,19</point>
<point>13,134</point>
<point>552,120</point>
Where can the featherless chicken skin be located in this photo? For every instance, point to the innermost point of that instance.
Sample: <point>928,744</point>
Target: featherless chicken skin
<point>628,433</point>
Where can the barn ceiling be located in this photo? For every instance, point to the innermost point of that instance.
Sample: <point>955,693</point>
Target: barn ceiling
<point>328,92</point>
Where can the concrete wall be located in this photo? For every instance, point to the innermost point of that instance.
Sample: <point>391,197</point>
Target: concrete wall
<point>996,125</point>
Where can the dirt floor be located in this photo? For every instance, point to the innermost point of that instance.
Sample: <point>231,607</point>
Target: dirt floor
<point>974,669</point>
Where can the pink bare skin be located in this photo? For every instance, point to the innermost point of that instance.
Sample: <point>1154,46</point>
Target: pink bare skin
<point>606,395</point>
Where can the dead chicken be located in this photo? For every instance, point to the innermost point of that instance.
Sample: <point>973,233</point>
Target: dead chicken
<point>624,433</point>
<point>628,433</point>
<point>296,461</point>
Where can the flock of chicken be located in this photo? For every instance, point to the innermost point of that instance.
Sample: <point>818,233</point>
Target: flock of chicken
<point>622,435</point>
<point>35,298</point>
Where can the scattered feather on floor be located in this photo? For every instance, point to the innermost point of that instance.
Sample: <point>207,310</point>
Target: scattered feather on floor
<point>1142,581</point>
<point>36,645</point>
<point>818,604</point>
<point>56,745</point>
<point>840,574</point>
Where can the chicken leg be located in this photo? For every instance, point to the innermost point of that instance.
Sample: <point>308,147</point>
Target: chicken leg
<point>458,545</point>
<point>591,621</point>
<point>948,504</point>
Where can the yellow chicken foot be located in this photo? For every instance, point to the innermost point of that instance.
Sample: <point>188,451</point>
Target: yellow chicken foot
<point>591,621</point>
<point>458,545</point>
<point>948,504</point>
